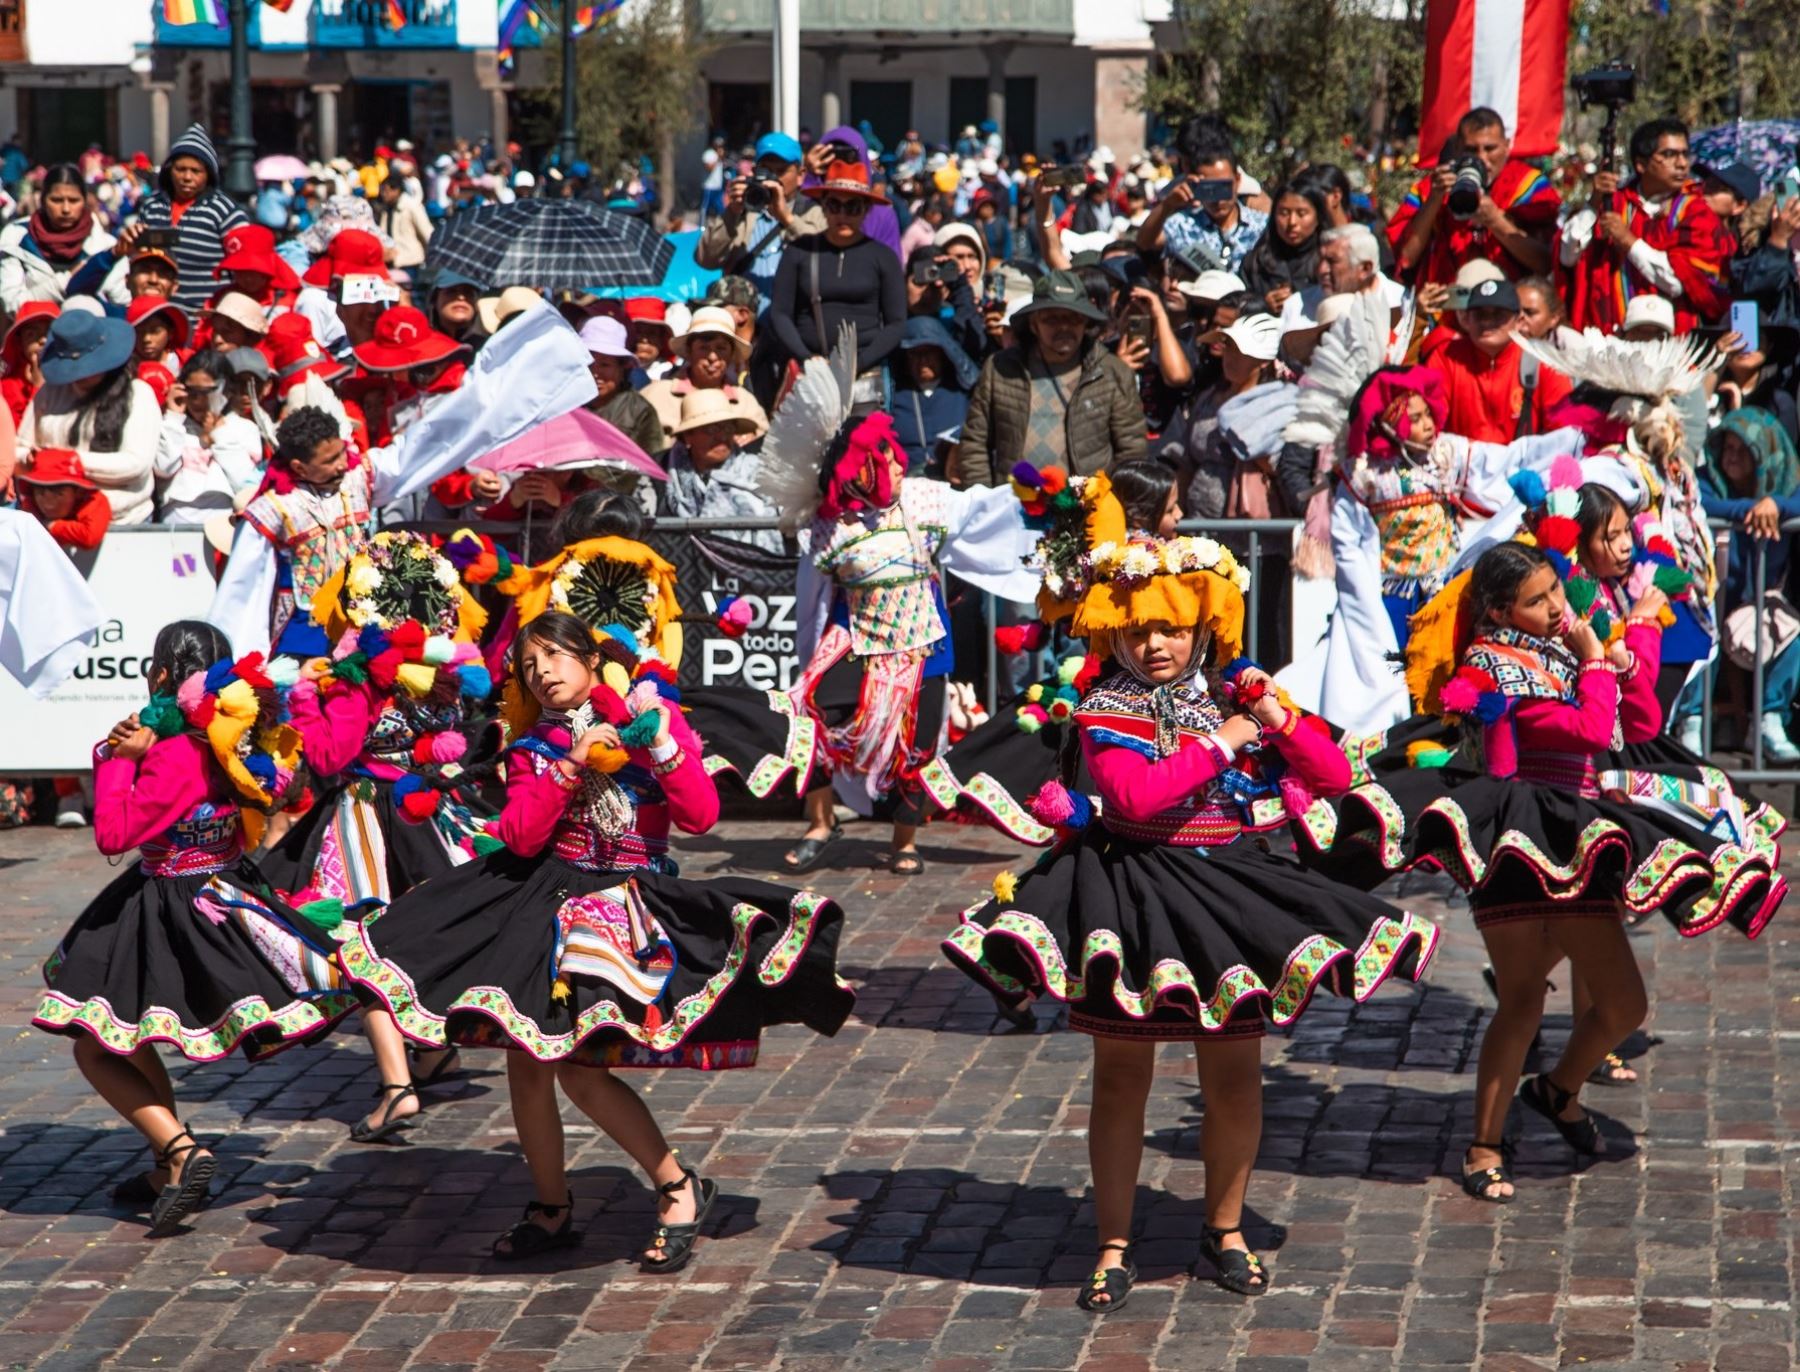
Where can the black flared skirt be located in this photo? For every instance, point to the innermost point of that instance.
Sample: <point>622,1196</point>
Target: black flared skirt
<point>1524,850</point>
<point>205,963</point>
<point>356,845</point>
<point>472,958</point>
<point>990,775</point>
<point>757,738</point>
<point>1162,942</point>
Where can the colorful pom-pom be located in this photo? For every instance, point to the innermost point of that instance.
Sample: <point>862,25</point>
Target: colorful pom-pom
<point>559,989</point>
<point>324,915</point>
<point>439,650</point>
<point>1459,696</point>
<point>642,731</point>
<point>1672,581</point>
<point>162,716</point>
<point>1006,886</point>
<point>1061,708</point>
<point>1034,692</point>
<point>1528,486</point>
<point>1091,667</point>
<point>1052,806</point>
<point>735,614</point>
<point>1069,669</point>
<point>1557,533</point>
<point>473,681</point>
<point>1027,475</point>
<point>608,760</point>
<point>483,844</point>
<point>1565,473</point>
<point>1582,592</point>
<point>1053,480</point>
<point>1032,718</point>
<point>284,672</point>
<point>252,669</point>
<point>1021,638</point>
<point>262,767</point>
<point>448,746</point>
<point>1423,752</point>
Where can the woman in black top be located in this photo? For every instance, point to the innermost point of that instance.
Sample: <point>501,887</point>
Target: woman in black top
<point>840,276</point>
<point>1286,258</point>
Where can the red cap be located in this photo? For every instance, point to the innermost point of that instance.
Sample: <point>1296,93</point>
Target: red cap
<point>140,161</point>
<point>353,252</point>
<point>143,306</point>
<point>159,379</point>
<point>384,152</point>
<point>55,467</point>
<point>294,352</point>
<point>404,338</point>
<point>30,310</point>
<point>647,309</point>
<point>251,248</point>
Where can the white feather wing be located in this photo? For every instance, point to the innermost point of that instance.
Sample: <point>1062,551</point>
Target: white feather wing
<point>1652,369</point>
<point>1348,355</point>
<point>801,429</point>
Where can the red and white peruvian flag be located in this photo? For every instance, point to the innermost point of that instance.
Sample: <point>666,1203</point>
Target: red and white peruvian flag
<point>1506,54</point>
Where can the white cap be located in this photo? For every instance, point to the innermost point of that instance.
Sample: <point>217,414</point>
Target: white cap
<point>1321,316</point>
<point>1101,156</point>
<point>1476,270</point>
<point>1649,311</point>
<point>1211,285</point>
<point>987,167</point>
<point>524,178</point>
<point>1256,335</point>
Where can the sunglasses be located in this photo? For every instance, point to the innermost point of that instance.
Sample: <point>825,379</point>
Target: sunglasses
<point>849,209</point>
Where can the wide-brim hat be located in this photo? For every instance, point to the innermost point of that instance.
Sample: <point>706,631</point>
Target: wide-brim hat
<point>1060,291</point>
<point>604,336</point>
<point>241,310</point>
<point>81,345</point>
<point>496,310</point>
<point>55,467</point>
<point>147,306</point>
<point>846,178</point>
<point>711,406</point>
<point>712,319</point>
<point>405,339</point>
<point>255,259</point>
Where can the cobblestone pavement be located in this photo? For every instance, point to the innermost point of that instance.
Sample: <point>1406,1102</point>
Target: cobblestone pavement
<point>910,1195</point>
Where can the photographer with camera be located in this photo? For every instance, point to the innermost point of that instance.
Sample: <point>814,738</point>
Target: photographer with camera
<point>1201,214</point>
<point>1477,202</point>
<point>761,216</point>
<point>1655,236</point>
<point>938,288</point>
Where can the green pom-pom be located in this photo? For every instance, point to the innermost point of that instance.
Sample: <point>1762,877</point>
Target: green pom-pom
<point>353,669</point>
<point>483,844</point>
<point>162,716</point>
<point>1065,499</point>
<point>324,916</point>
<point>1068,669</point>
<point>642,731</point>
<point>1671,581</point>
<point>1582,594</point>
<point>1603,623</point>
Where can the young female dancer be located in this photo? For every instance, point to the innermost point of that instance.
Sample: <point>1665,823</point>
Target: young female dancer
<point>396,739</point>
<point>1171,916</point>
<point>577,948</point>
<point>186,948</point>
<point>1549,856</point>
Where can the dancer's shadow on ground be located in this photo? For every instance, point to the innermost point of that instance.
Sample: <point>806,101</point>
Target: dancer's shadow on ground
<point>946,1223</point>
<point>429,1211</point>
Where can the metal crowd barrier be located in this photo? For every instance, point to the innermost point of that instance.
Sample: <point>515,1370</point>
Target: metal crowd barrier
<point>1756,772</point>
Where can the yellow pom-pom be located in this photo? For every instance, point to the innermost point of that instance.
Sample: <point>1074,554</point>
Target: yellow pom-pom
<point>608,760</point>
<point>416,678</point>
<point>1034,693</point>
<point>559,990</point>
<point>1006,885</point>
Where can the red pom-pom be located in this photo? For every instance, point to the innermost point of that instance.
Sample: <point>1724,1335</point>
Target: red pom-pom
<point>1053,479</point>
<point>250,669</point>
<point>1089,673</point>
<point>1020,638</point>
<point>419,805</point>
<point>1559,533</point>
<point>421,750</point>
<point>408,639</point>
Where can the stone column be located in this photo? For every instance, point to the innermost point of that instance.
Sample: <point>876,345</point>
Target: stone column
<point>325,119</point>
<point>160,91</point>
<point>831,97</point>
<point>1118,77</point>
<point>996,54</point>
<point>498,126</point>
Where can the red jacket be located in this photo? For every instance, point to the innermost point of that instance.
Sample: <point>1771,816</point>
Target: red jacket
<point>1485,394</point>
<point>1520,190</point>
<point>1699,248</point>
<point>87,522</point>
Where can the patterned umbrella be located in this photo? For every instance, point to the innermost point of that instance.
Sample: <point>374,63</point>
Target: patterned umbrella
<point>550,243</point>
<point>1766,145</point>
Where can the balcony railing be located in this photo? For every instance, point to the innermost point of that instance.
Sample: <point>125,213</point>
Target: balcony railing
<point>898,18</point>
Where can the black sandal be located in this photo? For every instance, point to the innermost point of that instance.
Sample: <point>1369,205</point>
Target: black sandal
<point>806,854</point>
<point>527,1239</point>
<point>1235,1269</point>
<point>1114,1283</point>
<point>906,864</point>
<point>179,1199</point>
<point>449,1067</point>
<point>676,1241</point>
<point>1541,1094</point>
<point>386,1126</point>
<point>1604,1071</point>
<point>1476,1183</point>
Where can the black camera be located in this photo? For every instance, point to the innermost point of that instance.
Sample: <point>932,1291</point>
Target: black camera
<point>759,194</point>
<point>934,273</point>
<point>1468,188</point>
<point>1610,86</point>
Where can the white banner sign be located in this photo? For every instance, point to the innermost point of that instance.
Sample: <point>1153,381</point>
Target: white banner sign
<point>143,579</point>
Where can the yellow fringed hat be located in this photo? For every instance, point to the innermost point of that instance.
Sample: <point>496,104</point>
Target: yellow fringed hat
<point>375,584</point>
<point>1122,581</point>
<point>604,581</point>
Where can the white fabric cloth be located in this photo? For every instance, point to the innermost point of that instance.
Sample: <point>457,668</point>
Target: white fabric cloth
<point>47,612</point>
<point>24,275</point>
<point>1651,263</point>
<point>531,372</point>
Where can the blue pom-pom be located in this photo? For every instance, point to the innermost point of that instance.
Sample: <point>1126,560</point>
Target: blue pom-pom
<point>668,690</point>
<point>1238,666</point>
<point>1489,706</point>
<point>473,680</point>
<point>1529,487</point>
<point>372,640</point>
<point>407,785</point>
<point>1562,566</point>
<point>218,677</point>
<point>1083,811</point>
<point>262,767</point>
<point>623,636</point>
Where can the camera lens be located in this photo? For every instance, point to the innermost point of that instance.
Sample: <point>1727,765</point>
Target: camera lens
<point>756,195</point>
<point>1466,191</point>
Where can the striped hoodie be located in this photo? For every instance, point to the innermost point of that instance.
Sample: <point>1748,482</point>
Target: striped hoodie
<point>201,244</point>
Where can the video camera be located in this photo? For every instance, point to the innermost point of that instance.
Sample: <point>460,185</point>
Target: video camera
<point>1610,86</point>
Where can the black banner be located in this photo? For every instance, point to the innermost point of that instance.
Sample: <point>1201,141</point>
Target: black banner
<point>709,570</point>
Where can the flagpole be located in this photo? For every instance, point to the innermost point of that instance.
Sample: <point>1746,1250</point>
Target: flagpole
<point>240,159</point>
<point>565,143</point>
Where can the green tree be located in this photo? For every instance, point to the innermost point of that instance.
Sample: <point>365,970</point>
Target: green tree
<point>1298,80</point>
<point>638,89</point>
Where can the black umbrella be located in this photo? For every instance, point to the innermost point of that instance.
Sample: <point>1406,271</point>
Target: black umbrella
<point>550,243</point>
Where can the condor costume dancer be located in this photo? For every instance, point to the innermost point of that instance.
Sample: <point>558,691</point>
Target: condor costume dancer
<point>576,946</point>
<point>1551,856</point>
<point>186,948</point>
<point>1171,915</point>
<point>871,606</point>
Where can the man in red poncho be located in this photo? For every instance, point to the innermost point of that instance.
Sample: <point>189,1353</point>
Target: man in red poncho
<point>1512,223</point>
<point>1656,236</point>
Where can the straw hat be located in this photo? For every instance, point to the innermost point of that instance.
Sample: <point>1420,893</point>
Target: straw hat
<point>496,311</point>
<point>712,406</point>
<point>713,319</point>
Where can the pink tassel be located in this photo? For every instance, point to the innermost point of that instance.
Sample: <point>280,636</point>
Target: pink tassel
<point>190,693</point>
<point>208,908</point>
<point>1295,794</point>
<point>1052,806</point>
<point>1565,473</point>
<point>345,645</point>
<point>448,746</point>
